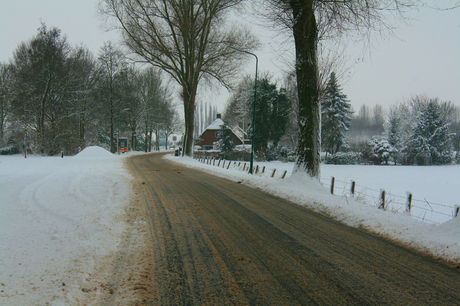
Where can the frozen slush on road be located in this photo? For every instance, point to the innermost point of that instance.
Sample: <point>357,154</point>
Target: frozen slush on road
<point>439,240</point>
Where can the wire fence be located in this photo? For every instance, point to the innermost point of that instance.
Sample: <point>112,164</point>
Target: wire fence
<point>261,171</point>
<point>422,210</point>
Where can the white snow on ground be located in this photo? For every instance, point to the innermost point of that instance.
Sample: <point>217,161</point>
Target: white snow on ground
<point>60,218</point>
<point>440,240</point>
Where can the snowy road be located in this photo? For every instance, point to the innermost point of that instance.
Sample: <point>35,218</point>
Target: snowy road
<point>215,241</point>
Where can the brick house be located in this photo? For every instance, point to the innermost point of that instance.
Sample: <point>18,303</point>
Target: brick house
<point>209,136</point>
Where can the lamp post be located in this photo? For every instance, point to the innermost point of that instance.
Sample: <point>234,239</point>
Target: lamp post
<point>253,108</point>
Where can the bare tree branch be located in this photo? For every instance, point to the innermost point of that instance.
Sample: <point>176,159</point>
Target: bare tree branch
<point>187,39</point>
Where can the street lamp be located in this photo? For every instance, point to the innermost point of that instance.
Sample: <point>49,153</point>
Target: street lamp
<point>253,108</point>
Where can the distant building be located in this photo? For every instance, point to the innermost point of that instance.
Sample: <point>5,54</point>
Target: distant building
<point>209,136</point>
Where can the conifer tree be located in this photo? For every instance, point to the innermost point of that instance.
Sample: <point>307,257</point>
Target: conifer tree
<point>394,136</point>
<point>431,136</point>
<point>335,117</point>
<point>272,113</point>
<point>225,144</point>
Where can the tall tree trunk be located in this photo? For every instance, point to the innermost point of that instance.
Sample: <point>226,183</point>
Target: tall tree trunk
<point>189,112</point>
<point>157,140</point>
<point>150,141</point>
<point>145,137</point>
<point>111,132</point>
<point>306,38</point>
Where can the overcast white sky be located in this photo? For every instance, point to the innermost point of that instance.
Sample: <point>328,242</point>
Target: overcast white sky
<point>424,58</point>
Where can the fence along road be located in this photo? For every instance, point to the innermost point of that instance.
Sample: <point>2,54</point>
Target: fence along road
<point>218,242</point>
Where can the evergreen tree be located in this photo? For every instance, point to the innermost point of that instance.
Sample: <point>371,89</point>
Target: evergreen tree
<point>393,131</point>
<point>225,143</point>
<point>281,107</point>
<point>382,150</point>
<point>273,108</point>
<point>335,117</point>
<point>431,137</point>
<point>272,113</point>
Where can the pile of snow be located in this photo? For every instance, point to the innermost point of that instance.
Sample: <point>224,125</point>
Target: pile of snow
<point>59,220</point>
<point>439,240</point>
<point>94,152</point>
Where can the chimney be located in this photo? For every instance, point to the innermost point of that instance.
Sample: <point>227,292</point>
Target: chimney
<point>218,116</point>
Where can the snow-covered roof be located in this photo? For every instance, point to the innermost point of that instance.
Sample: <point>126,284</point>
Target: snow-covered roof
<point>216,125</point>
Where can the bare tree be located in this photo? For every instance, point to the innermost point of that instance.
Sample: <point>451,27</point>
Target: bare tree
<point>86,78</point>
<point>187,39</point>
<point>311,21</point>
<point>172,124</point>
<point>112,63</point>
<point>41,79</point>
<point>5,84</point>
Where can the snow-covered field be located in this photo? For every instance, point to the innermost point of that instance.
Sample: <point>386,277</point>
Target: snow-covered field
<point>435,189</point>
<point>61,218</point>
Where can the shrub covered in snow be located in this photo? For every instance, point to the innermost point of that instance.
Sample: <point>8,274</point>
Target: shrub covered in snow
<point>9,147</point>
<point>342,158</point>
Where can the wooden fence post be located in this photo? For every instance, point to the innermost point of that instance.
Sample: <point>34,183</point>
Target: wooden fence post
<point>409,202</point>
<point>229,163</point>
<point>263,169</point>
<point>456,210</point>
<point>332,185</point>
<point>382,199</point>
<point>244,166</point>
<point>218,164</point>
<point>352,189</point>
<point>284,174</point>
<point>257,169</point>
<point>223,165</point>
<point>273,174</point>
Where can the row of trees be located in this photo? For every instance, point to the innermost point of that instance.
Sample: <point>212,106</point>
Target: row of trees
<point>205,115</point>
<point>189,41</point>
<point>421,130</point>
<point>58,98</point>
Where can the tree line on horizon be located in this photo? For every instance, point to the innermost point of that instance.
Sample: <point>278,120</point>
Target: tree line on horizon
<point>197,50</point>
<point>55,98</point>
<point>205,47</point>
<point>421,130</point>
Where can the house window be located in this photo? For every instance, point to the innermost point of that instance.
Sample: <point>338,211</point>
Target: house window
<point>208,147</point>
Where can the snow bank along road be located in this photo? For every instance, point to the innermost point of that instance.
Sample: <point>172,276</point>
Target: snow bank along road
<point>213,241</point>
